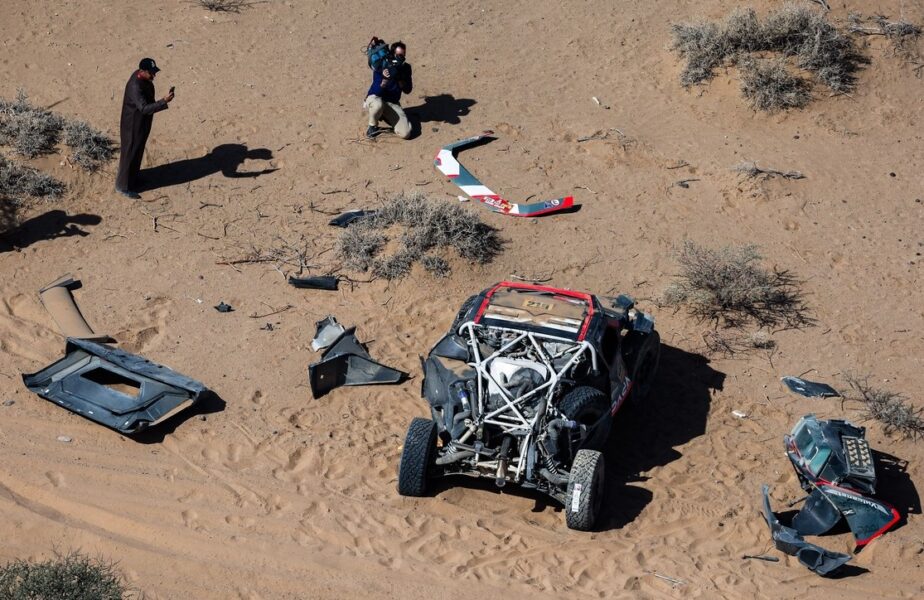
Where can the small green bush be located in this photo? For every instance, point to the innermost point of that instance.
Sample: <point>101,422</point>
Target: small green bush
<point>72,576</point>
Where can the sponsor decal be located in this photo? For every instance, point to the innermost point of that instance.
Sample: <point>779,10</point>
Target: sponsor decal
<point>859,499</point>
<point>576,497</point>
<point>536,304</point>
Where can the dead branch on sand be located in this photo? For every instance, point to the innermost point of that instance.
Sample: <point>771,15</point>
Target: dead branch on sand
<point>750,169</point>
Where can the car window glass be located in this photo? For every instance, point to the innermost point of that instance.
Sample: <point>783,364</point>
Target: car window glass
<point>819,460</point>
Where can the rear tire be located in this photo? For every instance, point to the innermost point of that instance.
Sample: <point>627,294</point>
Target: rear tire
<point>585,491</point>
<point>417,457</point>
<point>642,353</point>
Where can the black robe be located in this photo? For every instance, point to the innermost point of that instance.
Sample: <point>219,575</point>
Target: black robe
<point>138,108</point>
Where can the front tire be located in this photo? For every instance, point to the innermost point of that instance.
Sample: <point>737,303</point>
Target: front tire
<point>585,491</point>
<point>417,457</point>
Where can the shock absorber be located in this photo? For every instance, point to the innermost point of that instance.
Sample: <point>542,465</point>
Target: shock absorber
<point>500,478</point>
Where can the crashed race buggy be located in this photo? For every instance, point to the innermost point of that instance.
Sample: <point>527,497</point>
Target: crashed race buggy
<point>523,389</point>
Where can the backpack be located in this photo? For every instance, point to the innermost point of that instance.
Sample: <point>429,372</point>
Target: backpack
<point>377,52</point>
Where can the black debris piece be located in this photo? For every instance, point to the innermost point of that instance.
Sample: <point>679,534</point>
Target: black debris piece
<point>322,282</point>
<point>809,389</point>
<point>346,362</point>
<point>224,308</point>
<point>814,558</point>
<point>327,331</point>
<point>344,219</point>
<point>114,388</point>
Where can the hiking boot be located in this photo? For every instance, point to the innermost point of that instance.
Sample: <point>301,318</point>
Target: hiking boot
<point>372,131</point>
<point>129,194</point>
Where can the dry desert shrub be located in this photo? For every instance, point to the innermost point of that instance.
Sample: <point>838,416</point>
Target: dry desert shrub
<point>750,170</point>
<point>436,266</point>
<point>230,6</point>
<point>72,576</point>
<point>769,86</point>
<point>729,342</point>
<point>798,33</point>
<point>18,182</point>
<point>423,226</point>
<point>729,286</point>
<point>30,130</point>
<point>889,408</point>
<point>902,34</point>
<point>90,148</point>
<point>704,46</point>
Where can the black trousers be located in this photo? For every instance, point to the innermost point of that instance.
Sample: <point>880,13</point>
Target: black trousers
<point>130,155</point>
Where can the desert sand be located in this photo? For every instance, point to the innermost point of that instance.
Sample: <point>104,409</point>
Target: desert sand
<point>279,495</point>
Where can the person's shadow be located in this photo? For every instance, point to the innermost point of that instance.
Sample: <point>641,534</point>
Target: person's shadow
<point>47,226</point>
<point>443,108</point>
<point>224,159</point>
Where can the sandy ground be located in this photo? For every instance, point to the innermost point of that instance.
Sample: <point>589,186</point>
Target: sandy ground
<point>278,495</point>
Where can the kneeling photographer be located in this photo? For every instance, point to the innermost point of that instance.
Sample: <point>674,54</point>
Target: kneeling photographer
<point>391,76</point>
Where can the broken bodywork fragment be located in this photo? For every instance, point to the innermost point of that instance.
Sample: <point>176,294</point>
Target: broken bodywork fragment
<point>114,388</point>
<point>320,282</point>
<point>344,219</point>
<point>835,465</point>
<point>57,299</point>
<point>345,361</point>
<point>809,389</point>
<point>448,165</point>
<point>788,540</point>
<point>326,333</point>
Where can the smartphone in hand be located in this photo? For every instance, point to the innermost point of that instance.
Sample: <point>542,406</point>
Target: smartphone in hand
<point>172,88</point>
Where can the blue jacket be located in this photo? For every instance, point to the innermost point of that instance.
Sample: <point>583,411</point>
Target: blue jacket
<point>390,90</point>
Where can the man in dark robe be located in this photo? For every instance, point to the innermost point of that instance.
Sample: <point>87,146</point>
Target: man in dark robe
<point>138,108</point>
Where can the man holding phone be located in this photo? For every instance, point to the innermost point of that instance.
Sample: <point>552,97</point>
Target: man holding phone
<point>138,108</point>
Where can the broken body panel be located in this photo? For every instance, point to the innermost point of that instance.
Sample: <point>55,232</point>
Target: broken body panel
<point>114,388</point>
<point>449,166</point>
<point>345,361</point>
<point>835,465</point>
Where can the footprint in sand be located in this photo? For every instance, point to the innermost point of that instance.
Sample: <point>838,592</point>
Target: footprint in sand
<point>26,330</point>
<point>56,479</point>
<point>147,331</point>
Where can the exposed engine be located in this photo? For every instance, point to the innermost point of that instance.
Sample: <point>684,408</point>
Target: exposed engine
<point>495,396</point>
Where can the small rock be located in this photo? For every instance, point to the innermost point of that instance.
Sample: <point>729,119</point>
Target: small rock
<point>224,308</point>
<point>9,402</point>
<point>202,418</point>
<point>65,439</point>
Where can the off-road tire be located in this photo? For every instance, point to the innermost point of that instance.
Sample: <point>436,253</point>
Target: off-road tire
<point>583,404</point>
<point>584,498</point>
<point>416,457</point>
<point>460,316</point>
<point>642,353</point>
